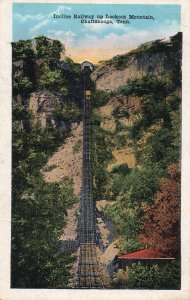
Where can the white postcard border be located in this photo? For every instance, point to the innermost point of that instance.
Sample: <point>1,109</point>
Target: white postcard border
<point>5,169</point>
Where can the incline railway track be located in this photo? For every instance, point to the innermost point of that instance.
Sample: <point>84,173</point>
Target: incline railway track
<point>89,272</point>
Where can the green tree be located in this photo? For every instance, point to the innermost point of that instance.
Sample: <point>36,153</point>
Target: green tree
<point>52,79</point>
<point>140,276</point>
<point>47,48</point>
<point>23,49</point>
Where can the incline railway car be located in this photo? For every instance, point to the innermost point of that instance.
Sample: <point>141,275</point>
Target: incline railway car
<point>87,94</point>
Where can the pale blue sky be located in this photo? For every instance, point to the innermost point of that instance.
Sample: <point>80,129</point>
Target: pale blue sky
<point>33,19</point>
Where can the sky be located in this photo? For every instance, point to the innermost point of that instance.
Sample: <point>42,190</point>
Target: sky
<point>95,42</point>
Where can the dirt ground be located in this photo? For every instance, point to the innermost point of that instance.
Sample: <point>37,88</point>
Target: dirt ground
<point>123,156</point>
<point>70,230</point>
<point>67,162</point>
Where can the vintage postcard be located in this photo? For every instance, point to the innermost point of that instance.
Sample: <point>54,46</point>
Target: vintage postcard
<point>94,145</point>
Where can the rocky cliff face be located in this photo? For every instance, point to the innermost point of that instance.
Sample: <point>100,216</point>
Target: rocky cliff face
<point>42,104</point>
<point>109,78</point>
<point>158,58</point>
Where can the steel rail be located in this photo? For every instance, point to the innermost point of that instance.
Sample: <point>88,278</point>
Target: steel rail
<point>89,272</point>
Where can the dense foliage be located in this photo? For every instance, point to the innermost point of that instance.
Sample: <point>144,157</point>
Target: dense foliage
<point>101,155</point>
<point>39,208</point>
<point>132,192</point>
<point>66,112</point>
<point>40,47</point>
<point>99,98</point>
<point>146,208</point>
<point>42,67</point>
<point>140,276</point>
<point>155,136</point>
<point>23,49</point>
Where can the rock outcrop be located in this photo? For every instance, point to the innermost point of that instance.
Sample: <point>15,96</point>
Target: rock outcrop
<point>42,104</point>
<point>109,78</point>
<point>154,59</point>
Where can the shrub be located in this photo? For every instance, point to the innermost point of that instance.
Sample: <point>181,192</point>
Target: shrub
<point>99,98</point>
<point>121,169</point>
<point>121,139</point>
<point>23,86</point>
<point>49,168</point>
<point>77,147</point>
<point>154,277</point>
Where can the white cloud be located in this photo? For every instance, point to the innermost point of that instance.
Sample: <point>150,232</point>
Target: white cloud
<point>28,17</point>
<point>68,42</point>
<point>123,27</point>
<point>39,25</point>
<point>67,38</point>
<point>99,27</point>
<point>43,20</point>
<point>60,9</point>
<point>130,39</point>
<point>173,26</point>
<point>61,33</point>
<point>56,33</point>
<point>70,34</point>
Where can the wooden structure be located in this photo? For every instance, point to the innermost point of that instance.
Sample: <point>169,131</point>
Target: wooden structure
<point>145,256</point>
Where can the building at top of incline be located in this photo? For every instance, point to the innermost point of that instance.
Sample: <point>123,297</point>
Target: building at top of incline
<point>87,66</point>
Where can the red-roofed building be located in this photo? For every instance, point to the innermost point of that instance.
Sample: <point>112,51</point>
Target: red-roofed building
<point>145,256</point>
